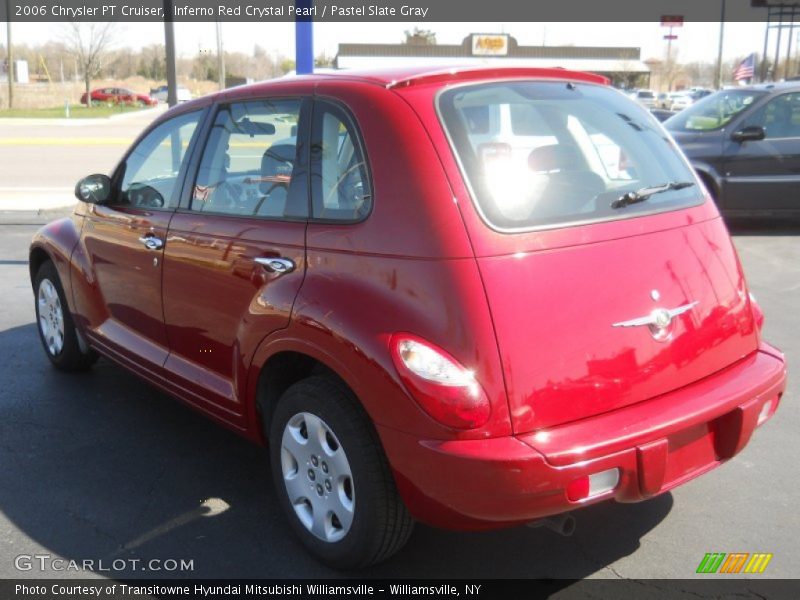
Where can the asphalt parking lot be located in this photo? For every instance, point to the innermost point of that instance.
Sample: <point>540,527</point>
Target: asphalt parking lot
<point>102,466</point>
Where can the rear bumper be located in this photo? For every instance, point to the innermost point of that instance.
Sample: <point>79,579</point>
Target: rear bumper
<point>657,445</point>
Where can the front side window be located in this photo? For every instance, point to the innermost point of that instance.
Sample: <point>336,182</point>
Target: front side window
<point>152,168</point>
<point>780,117</point>
<point>558,153</point>
<point>250,159</point>
<point>340,185</point>
<point>714,111</point>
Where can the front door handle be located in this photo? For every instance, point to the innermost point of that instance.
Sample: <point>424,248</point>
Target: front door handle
<point>276,265</point>
<point>151,242</point>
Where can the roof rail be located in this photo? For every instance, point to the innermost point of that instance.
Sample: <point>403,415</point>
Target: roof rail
<point>475,73</point>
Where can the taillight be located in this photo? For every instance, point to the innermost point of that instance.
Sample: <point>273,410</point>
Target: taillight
<point>444,388</point>
<point>758,314</point>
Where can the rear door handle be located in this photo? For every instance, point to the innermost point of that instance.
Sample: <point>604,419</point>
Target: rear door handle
<point>151,242</point>
<point>276,265</point>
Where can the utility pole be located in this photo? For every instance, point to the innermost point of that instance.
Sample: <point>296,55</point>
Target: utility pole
<point>169,48</point>
<point>10,56</point>
<point>721,39</point>
<point>220,57</point>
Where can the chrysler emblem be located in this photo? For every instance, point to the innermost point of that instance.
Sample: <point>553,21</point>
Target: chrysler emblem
<point>658,321</point>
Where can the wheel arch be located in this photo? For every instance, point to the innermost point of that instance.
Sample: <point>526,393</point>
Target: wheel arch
<point>278,364</point>
<point>56,242</point>
<point>36,258</point>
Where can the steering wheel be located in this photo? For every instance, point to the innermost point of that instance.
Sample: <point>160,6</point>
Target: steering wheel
<point>226,195</point>
<point>142,195</point>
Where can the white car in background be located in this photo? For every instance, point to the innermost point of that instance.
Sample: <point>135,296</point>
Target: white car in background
<point>689,97</point>
<point>646,98</point>
<point>681,101</point>
<point>160,94</point>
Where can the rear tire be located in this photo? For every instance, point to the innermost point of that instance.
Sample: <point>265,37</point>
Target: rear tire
<point>55,325</point>
<point>326,459</point>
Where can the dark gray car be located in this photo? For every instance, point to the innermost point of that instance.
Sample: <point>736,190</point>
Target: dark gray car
<point>745,145</point>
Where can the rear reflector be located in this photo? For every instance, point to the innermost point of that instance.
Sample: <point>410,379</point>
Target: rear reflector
<point>766,410</point>
<point>578,489</point>
<point>603,482</point>
<point>589,486</point>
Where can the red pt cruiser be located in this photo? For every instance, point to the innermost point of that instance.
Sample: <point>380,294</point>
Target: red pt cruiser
<point>473,298</point>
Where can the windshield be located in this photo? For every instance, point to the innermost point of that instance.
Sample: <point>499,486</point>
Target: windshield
<point>714,111</point>
<point>545,154</point>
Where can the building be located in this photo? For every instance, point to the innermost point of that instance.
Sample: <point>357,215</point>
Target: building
<point>623,65</point>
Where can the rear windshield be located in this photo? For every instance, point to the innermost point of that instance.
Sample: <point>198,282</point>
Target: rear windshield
<point>549,154</point>
<point>714,111</point>
<point>645,94</point>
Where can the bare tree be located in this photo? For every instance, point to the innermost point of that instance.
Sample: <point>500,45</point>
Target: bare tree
<point>89,43</point>
<point>420,37</point>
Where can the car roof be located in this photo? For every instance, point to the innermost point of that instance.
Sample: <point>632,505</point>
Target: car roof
<point>407,76</point>
<point>778,86</point>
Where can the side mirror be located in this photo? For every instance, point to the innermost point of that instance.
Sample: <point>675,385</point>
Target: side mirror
<point>94,189</point>
<point>751,133</point>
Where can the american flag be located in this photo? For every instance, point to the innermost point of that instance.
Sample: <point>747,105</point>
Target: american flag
<point>746,68</point>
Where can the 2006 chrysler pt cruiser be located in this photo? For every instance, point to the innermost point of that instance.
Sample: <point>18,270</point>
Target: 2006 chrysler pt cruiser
<point>473,298</point>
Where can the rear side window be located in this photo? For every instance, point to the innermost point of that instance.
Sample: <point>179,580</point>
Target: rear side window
<point>340,184</point>
<point>560,153</point>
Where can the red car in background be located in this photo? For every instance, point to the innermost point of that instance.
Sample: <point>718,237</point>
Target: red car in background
<point>474,298</point>
<point>112,95</point>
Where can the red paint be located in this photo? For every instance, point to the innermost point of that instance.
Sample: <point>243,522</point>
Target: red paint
<point>529,314</point>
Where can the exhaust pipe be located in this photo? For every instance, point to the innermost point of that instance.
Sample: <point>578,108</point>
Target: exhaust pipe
<point>561,524</point>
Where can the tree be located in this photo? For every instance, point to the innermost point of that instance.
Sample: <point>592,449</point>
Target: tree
<point>153,62</point>
<point>323,60</point>
<point>89,43</point>
<point>420,37</point>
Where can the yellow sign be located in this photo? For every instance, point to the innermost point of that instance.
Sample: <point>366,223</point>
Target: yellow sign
<point>490,45</point>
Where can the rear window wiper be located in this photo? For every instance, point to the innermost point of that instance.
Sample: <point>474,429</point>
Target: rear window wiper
<point>644,193</point>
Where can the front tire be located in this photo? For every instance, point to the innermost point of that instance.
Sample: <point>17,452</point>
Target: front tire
<point>55,325</point>
<point>332,477</point>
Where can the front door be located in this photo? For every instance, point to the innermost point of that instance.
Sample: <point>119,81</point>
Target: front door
<point>235,256</point>
<point>123,241</point>
<point>764,175</point>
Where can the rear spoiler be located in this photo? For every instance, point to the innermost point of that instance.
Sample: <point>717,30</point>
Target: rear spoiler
<point>477,73</point>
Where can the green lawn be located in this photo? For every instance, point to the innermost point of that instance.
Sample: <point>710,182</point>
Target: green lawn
<point>76,111</point>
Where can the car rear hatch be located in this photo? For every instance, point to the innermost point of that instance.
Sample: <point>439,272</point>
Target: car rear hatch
<point>569,322</point>
<point>606,286</point>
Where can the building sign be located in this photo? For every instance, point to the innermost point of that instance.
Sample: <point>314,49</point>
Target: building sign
<point>489,45</point>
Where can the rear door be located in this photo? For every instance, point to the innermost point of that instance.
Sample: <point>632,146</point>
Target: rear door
<point>123,241</point>
<point>764,175</point>
<point>235,254</point>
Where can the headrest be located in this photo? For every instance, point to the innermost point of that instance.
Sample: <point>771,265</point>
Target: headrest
<point>555,157</point>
